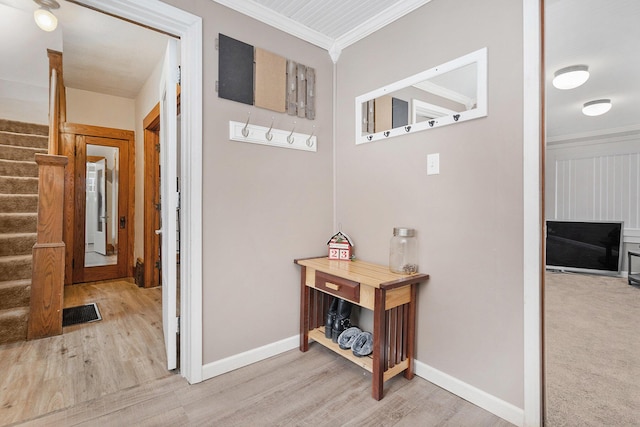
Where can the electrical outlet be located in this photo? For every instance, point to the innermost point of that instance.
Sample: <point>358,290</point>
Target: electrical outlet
<point>433,164</point>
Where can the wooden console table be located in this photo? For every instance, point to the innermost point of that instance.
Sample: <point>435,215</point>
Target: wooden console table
<point>391,297</point>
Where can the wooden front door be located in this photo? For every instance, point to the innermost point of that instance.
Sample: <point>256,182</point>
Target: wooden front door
<point>102,208</point>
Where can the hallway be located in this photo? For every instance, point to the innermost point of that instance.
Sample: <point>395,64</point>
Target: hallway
<point>89,360</point>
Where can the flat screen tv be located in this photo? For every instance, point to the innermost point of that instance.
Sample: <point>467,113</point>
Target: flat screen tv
<point>585,246</point>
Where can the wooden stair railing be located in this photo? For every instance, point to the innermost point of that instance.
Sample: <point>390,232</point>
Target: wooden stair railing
<point>47,281</point>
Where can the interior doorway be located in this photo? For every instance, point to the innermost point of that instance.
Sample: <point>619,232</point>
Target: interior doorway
<point>188,27</point>
<point>102,203</point>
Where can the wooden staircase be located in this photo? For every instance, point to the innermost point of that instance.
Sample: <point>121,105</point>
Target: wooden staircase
<point>19,143</point>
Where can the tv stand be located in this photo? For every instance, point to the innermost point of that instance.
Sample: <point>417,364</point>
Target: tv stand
<point>633,278</point>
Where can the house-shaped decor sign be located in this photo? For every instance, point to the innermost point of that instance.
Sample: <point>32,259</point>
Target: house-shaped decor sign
<point>340,247</point>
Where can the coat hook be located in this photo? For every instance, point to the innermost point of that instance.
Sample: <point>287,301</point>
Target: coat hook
<point>290,137</point>
<point>407,128</point>
<point>309,141</point>
<point>269,135</point>
<point>456,117</point>
<point>245,129</point>
<point>431,123</point>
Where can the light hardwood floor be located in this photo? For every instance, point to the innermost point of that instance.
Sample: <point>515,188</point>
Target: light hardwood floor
<point>317,388</point>
<point>102,388</point>
<point>87,361</point>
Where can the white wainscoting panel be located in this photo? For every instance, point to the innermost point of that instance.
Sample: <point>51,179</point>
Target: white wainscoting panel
<point>602,188</point>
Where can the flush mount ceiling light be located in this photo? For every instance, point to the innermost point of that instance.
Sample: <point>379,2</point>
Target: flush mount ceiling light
<point>571,77</point>
<point>45,19</point>
<point>597,107</point>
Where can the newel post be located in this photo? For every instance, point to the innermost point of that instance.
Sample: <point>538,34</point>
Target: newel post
<point>47,283</point>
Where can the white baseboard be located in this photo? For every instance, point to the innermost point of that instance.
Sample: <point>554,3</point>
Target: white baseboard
<point>466,391</point>
<point>236,361</point>
<point>480,398</point>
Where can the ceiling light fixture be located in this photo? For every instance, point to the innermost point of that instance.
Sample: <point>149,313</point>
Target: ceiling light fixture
<point>597,107</point>
<point>571,77</point>
<point>45,19</point>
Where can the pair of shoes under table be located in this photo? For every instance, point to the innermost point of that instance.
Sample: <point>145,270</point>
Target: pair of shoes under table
<point>360,343</point>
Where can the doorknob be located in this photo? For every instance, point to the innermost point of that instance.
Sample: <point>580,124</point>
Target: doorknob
<point>159,231</point>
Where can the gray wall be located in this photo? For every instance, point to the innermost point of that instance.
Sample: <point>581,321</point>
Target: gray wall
<point>469,217</point>
<point>265,206</point>
<point>262,206</point>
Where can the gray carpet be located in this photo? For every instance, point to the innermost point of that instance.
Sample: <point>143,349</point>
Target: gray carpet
<point>592,351</point>
<point>19,143</point>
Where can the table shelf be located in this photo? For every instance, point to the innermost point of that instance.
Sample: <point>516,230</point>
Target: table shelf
<point>365,362</point>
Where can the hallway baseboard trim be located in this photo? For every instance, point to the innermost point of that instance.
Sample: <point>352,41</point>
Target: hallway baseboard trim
<point>240,360</point>
<point>484,400</point>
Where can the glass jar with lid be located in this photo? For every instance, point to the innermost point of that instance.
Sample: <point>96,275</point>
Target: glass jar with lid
<point>403,251</point>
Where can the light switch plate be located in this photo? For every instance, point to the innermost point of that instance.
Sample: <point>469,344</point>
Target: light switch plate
<point>433,164</point>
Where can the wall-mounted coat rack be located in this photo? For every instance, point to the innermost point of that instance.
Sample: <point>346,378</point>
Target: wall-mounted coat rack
<point>246,132</point>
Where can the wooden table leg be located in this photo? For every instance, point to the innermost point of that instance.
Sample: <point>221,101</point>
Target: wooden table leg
<point>411,331</point>
<point>379,333</point>
<point>304,311</point>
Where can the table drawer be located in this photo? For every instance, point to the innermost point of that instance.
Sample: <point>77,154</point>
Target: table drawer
<point>343,288</point>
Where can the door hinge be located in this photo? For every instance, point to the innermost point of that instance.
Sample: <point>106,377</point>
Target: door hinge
<point>157,206</point>
<point>73,263</point>
<point>159,265</point>
<point>158,147</point>
<point>177,325</point>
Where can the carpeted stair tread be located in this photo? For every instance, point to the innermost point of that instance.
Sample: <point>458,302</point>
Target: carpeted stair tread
<point>10,152</point>
<point>13,324</point>
<point>18,185</point>
<point>19,143</point>
<point>15,267</point>
<point>18,203</point>
<point>23,140</point>
<point>15,293</point>
<point>23,127</point>
<point>18,222</point>
<point>17,243</point>
<point>18,168</point>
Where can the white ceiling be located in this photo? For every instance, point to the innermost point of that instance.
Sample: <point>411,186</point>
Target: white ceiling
<point>107,55</point>
<point>604,35</point>
<point>100,53</point>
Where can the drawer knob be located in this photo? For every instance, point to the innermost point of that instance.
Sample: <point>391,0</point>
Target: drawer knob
<point>332,286</point>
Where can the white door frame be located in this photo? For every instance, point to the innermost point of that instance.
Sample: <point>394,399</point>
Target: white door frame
<point>532,222</point>
<point>188,27</point>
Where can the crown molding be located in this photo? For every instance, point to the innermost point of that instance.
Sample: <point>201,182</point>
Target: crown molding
<point>333,46</point>
<point>281,22</point>
<point>443,92</point>
<point>382,19</point>
<point>620,132</point>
